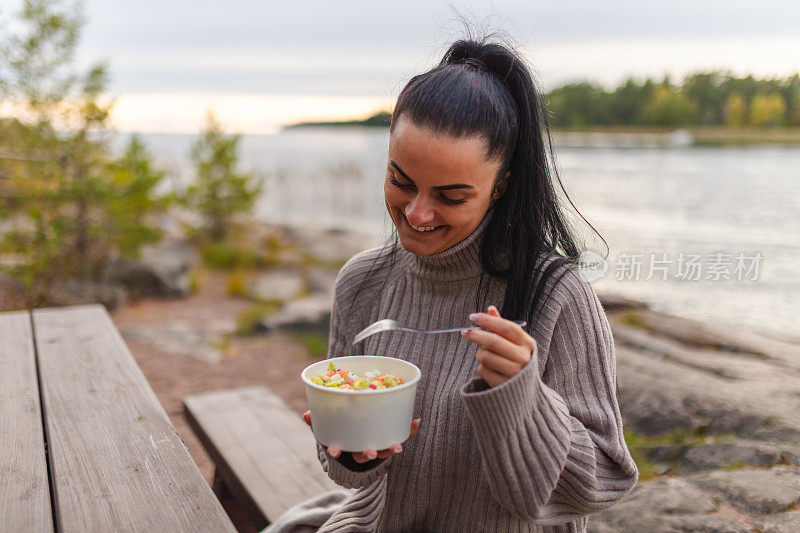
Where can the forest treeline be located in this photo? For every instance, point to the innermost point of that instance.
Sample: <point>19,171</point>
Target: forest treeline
<point>712,98</point>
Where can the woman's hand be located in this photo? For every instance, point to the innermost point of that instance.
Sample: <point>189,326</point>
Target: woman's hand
<point>504,350</point>
<point>369,455</point>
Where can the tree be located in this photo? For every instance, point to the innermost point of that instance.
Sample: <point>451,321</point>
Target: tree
<point>131,191</point>
<point>56,166</point>
<point>627,103</point>
<point>578,105</point>
<point>735,110</point>
<point>668,107</point>
<point>703,89</point>
<point>767,110</point>
<point>219,193</point>
<point>791,95</point>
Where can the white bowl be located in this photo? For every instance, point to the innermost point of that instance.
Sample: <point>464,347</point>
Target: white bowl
<point>359,420</point>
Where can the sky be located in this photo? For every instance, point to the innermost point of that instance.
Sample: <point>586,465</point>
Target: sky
<point>260,64</point>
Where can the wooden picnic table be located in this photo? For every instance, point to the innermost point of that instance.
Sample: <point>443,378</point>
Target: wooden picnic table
<point>84,443</point>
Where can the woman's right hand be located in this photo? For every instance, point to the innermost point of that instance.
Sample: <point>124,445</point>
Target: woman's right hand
<point>369,455</point>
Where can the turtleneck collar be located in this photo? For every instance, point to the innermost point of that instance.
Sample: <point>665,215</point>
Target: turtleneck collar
<point>460,261</point>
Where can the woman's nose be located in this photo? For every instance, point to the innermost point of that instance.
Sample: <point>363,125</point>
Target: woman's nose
<point>418,211</point>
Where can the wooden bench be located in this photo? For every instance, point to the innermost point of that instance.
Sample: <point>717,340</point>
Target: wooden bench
<point>84,443</point>
<point>265,455</point>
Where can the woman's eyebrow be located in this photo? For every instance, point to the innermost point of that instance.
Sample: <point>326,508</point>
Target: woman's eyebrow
<point>438,187</point>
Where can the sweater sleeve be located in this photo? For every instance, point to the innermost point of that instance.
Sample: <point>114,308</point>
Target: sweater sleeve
<point>344,470</point>
<point>553,450</point>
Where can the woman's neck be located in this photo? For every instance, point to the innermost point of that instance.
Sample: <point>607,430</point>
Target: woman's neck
<point>460,261</point>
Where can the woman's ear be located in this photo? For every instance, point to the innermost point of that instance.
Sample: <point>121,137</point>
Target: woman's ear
<point>500,187</point>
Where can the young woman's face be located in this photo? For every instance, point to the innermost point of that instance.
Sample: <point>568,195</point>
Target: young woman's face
<point>437,188</point>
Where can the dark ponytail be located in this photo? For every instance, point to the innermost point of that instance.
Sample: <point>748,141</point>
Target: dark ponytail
<point>483,88</point>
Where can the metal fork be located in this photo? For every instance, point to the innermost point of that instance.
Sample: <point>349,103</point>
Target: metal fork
<point>387,324</point>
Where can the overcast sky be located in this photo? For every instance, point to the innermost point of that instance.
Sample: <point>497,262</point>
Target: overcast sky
<point>262,63</point>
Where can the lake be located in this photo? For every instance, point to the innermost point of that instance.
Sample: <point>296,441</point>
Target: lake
<point>715,229</point>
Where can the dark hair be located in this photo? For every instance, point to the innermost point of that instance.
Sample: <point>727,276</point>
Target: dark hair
<point>484,88</point>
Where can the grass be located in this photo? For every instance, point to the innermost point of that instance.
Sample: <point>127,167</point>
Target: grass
<point>248,321</point>
<point>736,465</point>
<point>315,343</point>
<point>310,260</point>
<point>647,469</point>
<point>194,282</point>
<point>632,318</point>
<point>236,284</point>
<point>638,445</point>
<point>228,256</point>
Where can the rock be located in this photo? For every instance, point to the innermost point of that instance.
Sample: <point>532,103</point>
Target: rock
<point>697,524</point>
<point>78,291</point>
<point>723,415</point>
<point>322,281</point>
<point>779,523</point>
<point>313,313</point>
<point>754,491</point>
<point>665,453</point>
<point>685,524</point>
<point>13,294</point>
<point>670,496</point>
<point>719,454</point>
<point>668,505</point>
<point>181,337</point>
<point>652,410</point>
<point>333,246</point>
<point>277,285</point>
<point>162,271</point>
<point>700,334</point>
<point>613,303</point>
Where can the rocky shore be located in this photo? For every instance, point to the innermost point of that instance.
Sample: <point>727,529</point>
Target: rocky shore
<point>711,414</point>
<point>712,417</point>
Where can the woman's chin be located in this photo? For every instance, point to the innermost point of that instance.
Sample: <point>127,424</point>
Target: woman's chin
<point>416,248</point>
<point>422,244</point>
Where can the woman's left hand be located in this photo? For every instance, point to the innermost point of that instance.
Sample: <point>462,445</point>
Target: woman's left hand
<point>504,349</point>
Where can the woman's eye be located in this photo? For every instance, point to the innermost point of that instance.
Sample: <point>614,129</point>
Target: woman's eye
<point>404,186</point>
<point>451,201</point>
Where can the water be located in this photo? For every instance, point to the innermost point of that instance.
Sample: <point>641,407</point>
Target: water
<point>737,201</point>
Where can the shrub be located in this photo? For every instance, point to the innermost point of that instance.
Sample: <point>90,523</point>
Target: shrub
<point>228,256</point>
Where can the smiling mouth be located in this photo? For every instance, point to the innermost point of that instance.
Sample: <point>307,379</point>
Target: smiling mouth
<point>423,229</point>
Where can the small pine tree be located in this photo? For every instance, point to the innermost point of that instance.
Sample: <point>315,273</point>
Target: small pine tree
<point>220,193</point>
<point>69,204</point>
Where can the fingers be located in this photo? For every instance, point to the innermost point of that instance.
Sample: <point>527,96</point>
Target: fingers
<point>365,456</point>
<point>415,424</point>
<point>499,345</point>
<point>496,363</point>
<point>334,452</point>
<point>505,328</point>
<point>307,417</point>
<point>491,377</point>
<point>391,450</point>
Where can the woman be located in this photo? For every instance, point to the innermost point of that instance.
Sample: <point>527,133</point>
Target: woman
<point>520,428</point>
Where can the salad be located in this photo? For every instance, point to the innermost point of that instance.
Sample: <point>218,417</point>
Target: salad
<point>345,379</point>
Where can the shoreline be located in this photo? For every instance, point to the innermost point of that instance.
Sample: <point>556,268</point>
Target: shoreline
<point>633,136</point>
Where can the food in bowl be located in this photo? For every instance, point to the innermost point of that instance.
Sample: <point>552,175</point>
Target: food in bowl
<point>355,420</point>
<point>346,379</point>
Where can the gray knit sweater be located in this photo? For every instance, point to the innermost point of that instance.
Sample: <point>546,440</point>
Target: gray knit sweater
<point>537,453</point>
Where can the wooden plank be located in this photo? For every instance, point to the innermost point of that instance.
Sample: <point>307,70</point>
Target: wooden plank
<point>24,484</point>
<point>260,446</point>
<point>116,462</point>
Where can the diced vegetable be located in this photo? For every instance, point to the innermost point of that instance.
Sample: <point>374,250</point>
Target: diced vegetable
<point>346,379</point>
